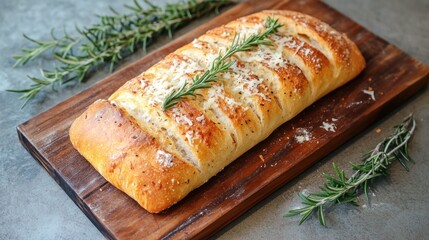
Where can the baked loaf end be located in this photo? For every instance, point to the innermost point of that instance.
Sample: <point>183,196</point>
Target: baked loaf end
<point>157,157</point>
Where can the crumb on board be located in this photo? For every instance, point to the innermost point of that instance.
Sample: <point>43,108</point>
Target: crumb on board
<point>354,103</point>
<point>302,135</point>
<point>330,127</point>
<point>370,93</point>
<point>261,157</point>
<point>378,130</point>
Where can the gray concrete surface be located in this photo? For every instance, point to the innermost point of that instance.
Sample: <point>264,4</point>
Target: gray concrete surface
<point>33,206</point>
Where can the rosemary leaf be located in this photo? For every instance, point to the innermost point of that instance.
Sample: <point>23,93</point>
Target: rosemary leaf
<point>109,41</point>
<point>221,63</point>
<point>375,164</point>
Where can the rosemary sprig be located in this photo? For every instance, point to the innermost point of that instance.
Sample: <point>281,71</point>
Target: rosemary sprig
<point>108,41</point>
<point>221,63</point>
<point>42,46</point>
<point>375,163</point>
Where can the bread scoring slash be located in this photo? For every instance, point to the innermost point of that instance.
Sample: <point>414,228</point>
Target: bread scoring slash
<point>158,156</point>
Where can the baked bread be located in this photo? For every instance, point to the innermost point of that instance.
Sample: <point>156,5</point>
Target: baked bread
<point>157,157</point>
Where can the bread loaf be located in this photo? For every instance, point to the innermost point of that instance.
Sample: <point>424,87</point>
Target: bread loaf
<point>158,156</point>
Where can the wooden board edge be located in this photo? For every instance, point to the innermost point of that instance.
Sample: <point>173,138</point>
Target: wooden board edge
<point>29,147</point>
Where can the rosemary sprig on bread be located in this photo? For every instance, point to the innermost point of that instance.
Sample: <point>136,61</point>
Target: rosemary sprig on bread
<point>222,63</point>
<point>341,189</point>
<point>108,41</point>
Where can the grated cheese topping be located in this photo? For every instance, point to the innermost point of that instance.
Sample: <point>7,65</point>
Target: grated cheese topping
<point>225,34</point>
<point>246,83</point>
<point>165,159</point>
<point>157,90</point>
<point>216,92</point>
<point>298,47</point>
<point>246,31</point>
<point>322,27</point>
<point>272,56</point>
<point>181,118</point>
<point>197,44</point>
<point>143,84</point>
<point>191,136</point>
<point>179,71</point>
<point>201,119</point>
<point>308,51</point>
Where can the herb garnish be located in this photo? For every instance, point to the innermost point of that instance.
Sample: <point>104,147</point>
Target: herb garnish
<point>375,163</point>
<point>221,63</point>
<point>114,37</point>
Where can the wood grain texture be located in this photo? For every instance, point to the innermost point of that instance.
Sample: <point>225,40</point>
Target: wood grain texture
<point>393,75</point>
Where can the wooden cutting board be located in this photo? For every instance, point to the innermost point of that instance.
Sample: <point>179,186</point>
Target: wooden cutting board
<point>393,75</point>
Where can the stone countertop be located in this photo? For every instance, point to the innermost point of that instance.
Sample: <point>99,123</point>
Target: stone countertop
<point>33,206</point>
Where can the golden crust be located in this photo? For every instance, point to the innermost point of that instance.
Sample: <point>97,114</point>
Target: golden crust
<point>127,157</point>
<point>157,157</point>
